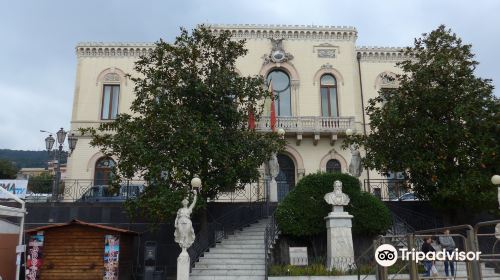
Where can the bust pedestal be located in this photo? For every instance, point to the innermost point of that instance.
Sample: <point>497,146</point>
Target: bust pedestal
<point>340,250</point>
<point>183,265</point>
<point>273,190</point>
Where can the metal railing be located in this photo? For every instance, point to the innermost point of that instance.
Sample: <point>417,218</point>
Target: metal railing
<point>270,236</point>
<point>88,190</point>
<point>387,189</point>
<point>308,124</point>
<point>84,190</point>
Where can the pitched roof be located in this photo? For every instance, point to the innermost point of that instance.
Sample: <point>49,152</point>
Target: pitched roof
<point>82,223</point>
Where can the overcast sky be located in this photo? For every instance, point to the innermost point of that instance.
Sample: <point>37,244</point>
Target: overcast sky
<point>38,38</point>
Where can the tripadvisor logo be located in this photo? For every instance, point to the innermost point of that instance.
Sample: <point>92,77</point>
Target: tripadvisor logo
<point>386,255</point>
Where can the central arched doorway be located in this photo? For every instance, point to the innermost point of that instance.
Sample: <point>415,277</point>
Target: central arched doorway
<point>286,176</point>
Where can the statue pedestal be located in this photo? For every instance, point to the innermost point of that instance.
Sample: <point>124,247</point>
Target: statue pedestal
<point>273,191</point>
<point>183,265</point>
<point>340,250</point>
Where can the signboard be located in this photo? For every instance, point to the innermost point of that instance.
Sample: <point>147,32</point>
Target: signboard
<point>298,255</point>
<point>17,187</point>
<point>34,258</point>
<point>111,256</point>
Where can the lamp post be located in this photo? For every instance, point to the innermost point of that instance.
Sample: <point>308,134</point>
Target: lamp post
<point>49,144</point>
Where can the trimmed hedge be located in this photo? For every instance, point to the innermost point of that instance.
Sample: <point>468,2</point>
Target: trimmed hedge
<point>303,210</point>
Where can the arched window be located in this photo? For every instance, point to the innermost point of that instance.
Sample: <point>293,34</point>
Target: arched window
<point>329,102</point>
<point>103,171</point>
<point>282,91</point>
<point>286,176</point>
<point>333,166</point>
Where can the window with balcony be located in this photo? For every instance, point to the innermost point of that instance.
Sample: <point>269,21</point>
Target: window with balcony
<point>103,172</point>
<point>328,90</point>
<point>333,166</point>
<point>110,97</point>
<point>282,92</point>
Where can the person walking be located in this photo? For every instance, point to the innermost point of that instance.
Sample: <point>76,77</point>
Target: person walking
<point>427,247</point>
<point>448,244</point>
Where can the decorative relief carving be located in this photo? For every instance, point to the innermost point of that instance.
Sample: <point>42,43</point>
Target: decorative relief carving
<point>326,53</point>
<point>278,54</point>
<point>111,77</point>
<point>327,66</point>
<point>386,80</point>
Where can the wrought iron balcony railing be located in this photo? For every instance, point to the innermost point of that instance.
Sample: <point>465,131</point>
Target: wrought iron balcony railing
<point>87,190</point>
<point>308,124</point>
<point>388,189</point>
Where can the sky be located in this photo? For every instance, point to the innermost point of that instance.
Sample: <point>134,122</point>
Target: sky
<point>38,39</point>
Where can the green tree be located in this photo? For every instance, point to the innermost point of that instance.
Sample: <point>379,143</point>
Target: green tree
<point>41,183</point>
<point>440,126</point>
<point>303,210</point>
<point>7,169</point>
<point>190,117</point>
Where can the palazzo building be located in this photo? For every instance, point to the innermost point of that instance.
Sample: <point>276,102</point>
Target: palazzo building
<point>322,78</point>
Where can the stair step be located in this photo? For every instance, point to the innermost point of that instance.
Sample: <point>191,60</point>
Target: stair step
<point>253,229</point>
<point>233,277</point>
<point>234,255</point>
<point>248,233</point>
<point>243,242</point>
<point>245,237</point>
<point>228,266</point>
<point>216,261</point>
<point>218,250</point>
<point>241,246</point>
<point>229,272</point>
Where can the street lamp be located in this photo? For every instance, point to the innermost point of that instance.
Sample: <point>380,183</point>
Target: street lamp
<point>349,132</point>
<point>281,133</point>
<point>495,179</point>
<point>196,183</point>
<point>49,144</point>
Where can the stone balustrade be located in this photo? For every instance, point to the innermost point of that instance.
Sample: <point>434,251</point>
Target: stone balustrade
<point>308,124</point>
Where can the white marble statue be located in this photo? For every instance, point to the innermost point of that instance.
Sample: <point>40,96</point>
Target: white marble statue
<point>274,170</point>
<point>274,167</point>
<point>355,167</point>
<point>184,232</point>
<point>337,197</point>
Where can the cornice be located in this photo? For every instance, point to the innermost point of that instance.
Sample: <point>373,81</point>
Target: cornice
<point>376,54</point>
<point>112,49</point>
<point>290,32</point>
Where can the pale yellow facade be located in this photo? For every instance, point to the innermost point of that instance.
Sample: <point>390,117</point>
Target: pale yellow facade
<point>312,52</point>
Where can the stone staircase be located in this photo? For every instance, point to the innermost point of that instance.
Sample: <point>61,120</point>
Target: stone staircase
<point>240,256</point>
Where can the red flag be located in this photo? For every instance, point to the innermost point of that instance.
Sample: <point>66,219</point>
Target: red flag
<point>273,109</point>
<point>251,119</point>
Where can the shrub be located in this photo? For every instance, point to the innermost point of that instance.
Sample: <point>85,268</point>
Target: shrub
<point>303,210</point>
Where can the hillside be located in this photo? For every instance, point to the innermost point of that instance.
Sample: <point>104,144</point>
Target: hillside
<point>27,158</point>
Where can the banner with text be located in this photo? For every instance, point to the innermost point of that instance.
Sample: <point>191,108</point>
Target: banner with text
<point>17,187</point>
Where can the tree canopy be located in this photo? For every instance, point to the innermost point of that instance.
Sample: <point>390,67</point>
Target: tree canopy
<point>189,117</point>
<point>7,169</point>
<point>440,126</point>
